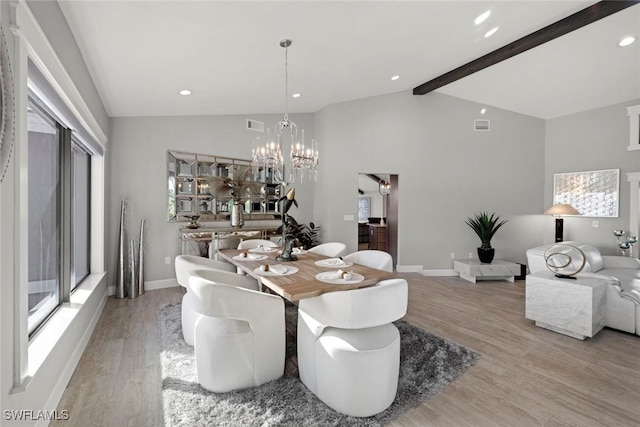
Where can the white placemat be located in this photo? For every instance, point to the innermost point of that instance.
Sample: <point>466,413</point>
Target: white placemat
<point>335,278</point>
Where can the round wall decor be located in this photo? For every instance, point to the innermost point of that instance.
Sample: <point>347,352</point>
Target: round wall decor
<point>7,107</point>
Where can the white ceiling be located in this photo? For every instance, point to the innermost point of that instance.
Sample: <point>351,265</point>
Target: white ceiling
<point>141,53</point>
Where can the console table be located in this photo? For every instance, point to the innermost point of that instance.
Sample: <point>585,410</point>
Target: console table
<point>573,307</point>
<point>197,241</point>
<point>472,270</point>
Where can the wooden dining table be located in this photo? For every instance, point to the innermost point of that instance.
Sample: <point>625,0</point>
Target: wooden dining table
<point>303,283</point>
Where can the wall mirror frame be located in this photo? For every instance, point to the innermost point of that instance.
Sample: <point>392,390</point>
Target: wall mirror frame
<point>207,185</point>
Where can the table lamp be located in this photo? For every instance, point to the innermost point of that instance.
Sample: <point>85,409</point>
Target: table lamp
<point>558,210</point>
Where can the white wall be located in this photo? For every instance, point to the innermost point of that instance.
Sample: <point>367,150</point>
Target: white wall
<point>446,171</point>
<point>138,173</point>
<point>591,140</point>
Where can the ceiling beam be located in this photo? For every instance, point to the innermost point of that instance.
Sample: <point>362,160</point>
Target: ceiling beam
<point>373,177</point>
<point>573,22</point>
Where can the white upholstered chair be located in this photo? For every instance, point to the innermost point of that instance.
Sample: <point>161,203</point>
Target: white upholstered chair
<point>371,258</point>
<point>254,243</point>
<point>185,263</point>
<point>217,244</point>
<point>239,335</point>
<point>191,304</point>
<point>330,249</point>
<point>224,272</point>
<point>348,349</point>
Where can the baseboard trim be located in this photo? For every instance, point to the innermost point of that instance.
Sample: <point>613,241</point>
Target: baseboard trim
<point>151,285</point>
<point>160,284</point>
<point>409,268</point>
<point>421,270</point>
<point>440,273</point>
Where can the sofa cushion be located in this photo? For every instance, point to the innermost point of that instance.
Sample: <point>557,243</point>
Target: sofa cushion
<point>629,281</point>
<point>594,259</point>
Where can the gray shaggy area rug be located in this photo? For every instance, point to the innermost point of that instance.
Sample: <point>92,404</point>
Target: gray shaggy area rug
<point>427,365</point>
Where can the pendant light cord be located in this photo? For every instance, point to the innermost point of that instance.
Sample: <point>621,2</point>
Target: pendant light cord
<point>286,83</point>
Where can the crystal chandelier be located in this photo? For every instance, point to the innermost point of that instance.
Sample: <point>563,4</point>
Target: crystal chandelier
<point>268,155</point>
<point>384,187</point>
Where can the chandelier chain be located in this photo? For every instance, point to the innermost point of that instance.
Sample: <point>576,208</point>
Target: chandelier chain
<point>286,83</point>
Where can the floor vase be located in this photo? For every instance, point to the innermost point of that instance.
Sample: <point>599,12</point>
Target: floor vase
<point>122,254</point>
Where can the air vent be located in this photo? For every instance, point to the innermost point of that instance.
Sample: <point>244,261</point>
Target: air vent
<point>255,125</point>
<point>481,125</point>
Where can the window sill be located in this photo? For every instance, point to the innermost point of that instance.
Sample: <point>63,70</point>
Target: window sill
<point>46,339</point>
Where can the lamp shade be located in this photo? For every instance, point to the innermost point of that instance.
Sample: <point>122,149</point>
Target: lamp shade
<point>561,209</point>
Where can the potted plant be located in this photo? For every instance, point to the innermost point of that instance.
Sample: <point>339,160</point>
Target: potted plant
<point>485,227</point>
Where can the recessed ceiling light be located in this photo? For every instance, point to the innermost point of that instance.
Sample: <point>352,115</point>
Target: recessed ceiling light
<point>626,41</point>
<point>490,32</point>
<point>484,110</point>
<point>296,95</point>
<point>185,92</point>
<point>395,77</point>
<point>482,17</point>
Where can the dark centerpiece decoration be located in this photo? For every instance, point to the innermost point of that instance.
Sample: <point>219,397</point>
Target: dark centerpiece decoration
<point>485,227</point>
<point>289,225</point>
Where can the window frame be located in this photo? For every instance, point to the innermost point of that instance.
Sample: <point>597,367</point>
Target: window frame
<point>67,143</point>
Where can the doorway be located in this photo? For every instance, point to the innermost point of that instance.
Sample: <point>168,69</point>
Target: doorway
<point>378,212</point>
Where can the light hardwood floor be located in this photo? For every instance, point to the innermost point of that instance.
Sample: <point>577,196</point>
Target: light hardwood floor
<point>526,376</point>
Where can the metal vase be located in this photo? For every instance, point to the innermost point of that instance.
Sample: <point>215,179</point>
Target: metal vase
<point>132,283</point>
<point>122,255</point>
<point>237,215</point>
<point>141,259</point>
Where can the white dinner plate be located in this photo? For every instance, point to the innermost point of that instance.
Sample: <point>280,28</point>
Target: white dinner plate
<point>276,270</point>
<point>298,251</point>
<point>333,262</point>
<point>334,278</point>
<point>264,250</point>
<point>250,257</point>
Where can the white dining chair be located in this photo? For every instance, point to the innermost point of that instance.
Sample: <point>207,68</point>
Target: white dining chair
<point>190,313</point>
<point>348,349</point>
<point>239,335</point>
<point>330,249</point>
<point>371,258</point>
<point>184,263</point>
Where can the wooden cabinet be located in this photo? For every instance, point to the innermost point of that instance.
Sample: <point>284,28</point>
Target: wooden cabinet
<point>378,237</point>
<point>363,232</point>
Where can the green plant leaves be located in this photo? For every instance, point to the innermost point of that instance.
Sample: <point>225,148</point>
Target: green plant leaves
<point>485,226</point>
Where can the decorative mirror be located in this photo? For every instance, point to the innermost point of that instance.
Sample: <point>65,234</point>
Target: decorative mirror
<point>204,187</point>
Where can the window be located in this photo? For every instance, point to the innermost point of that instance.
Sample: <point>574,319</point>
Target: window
<point>44,215</point>
<point>59,212</point>
<point>81,212</point>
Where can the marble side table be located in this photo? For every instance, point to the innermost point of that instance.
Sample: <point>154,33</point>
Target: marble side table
<point>571,307</point>
<point>473,269</point>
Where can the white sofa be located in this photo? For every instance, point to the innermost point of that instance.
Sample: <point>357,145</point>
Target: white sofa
<point>622,297</point>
